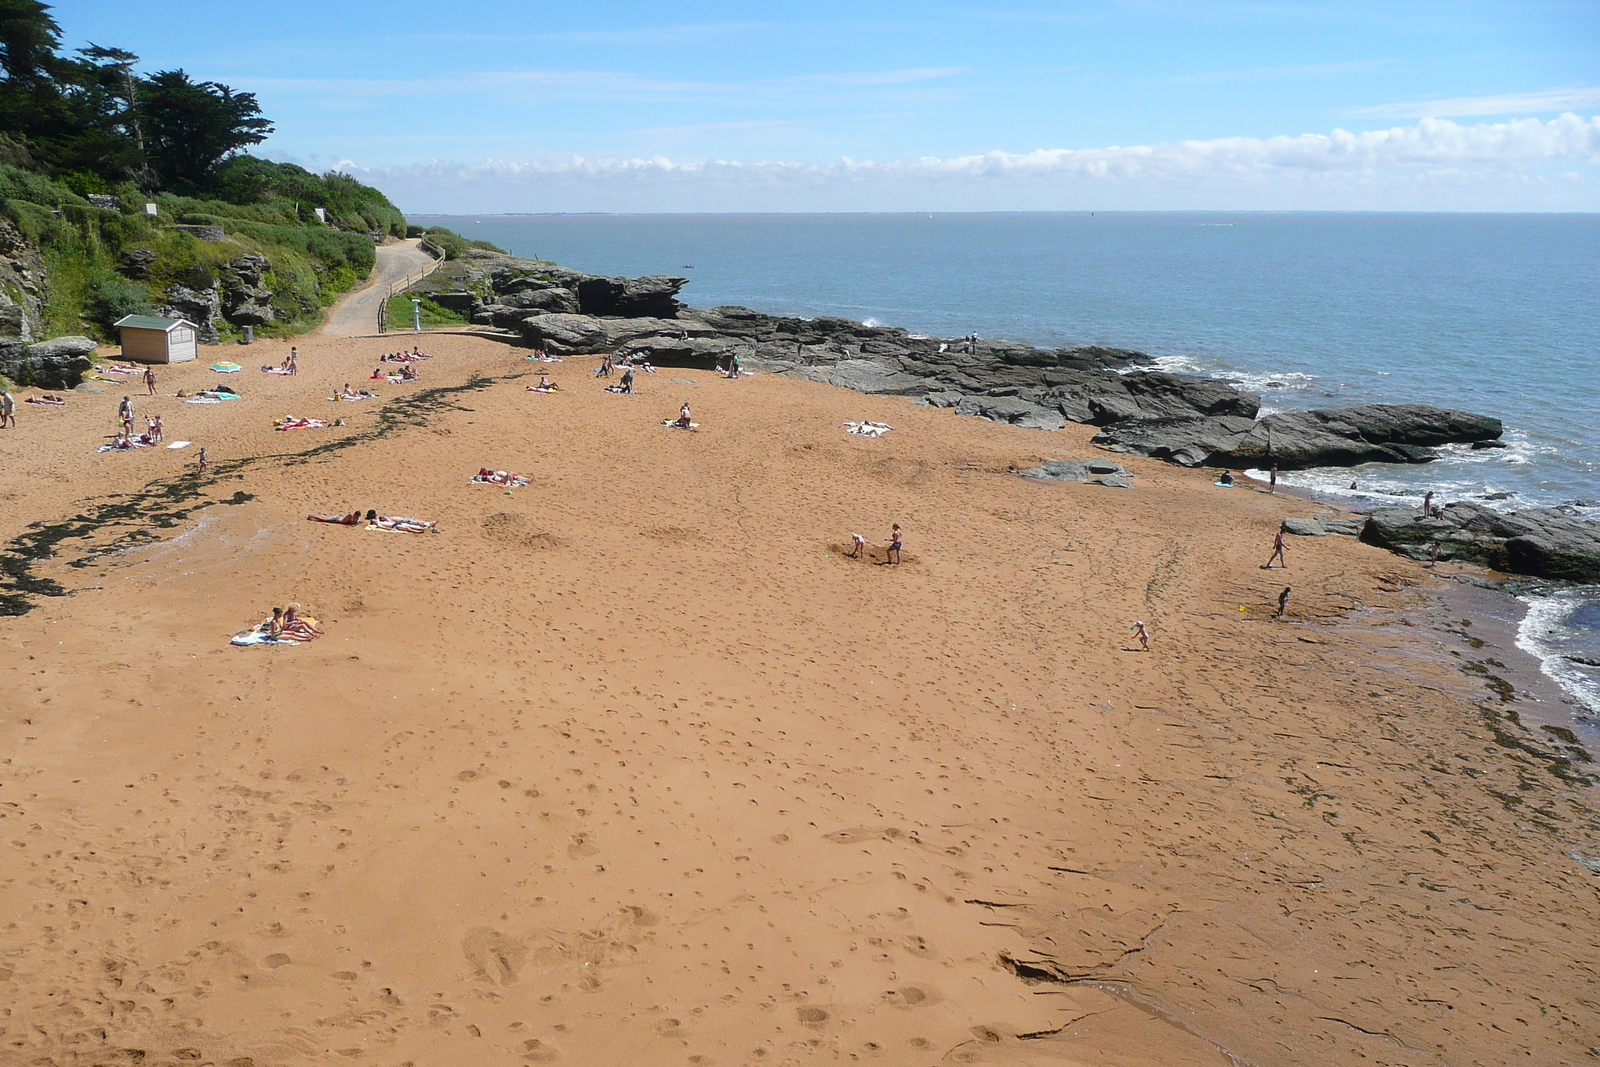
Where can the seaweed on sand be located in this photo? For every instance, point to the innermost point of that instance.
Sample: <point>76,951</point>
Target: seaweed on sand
<point>118,523</point>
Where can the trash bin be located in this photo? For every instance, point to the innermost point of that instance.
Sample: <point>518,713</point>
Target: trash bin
<point>249,336</point>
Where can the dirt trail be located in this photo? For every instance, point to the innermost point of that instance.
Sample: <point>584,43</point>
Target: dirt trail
<point>356,315</point>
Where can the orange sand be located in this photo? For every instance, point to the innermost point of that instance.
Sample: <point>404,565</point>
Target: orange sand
<point>631,766</point>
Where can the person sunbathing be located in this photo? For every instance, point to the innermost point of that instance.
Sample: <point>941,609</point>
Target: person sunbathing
<point>352,519</point>
<point>497,477</point>
<point>48,398</point>
<point>296,627</point>
<point>406,524</point>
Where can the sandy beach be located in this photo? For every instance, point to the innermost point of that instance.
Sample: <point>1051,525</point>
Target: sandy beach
<point>632,765</point>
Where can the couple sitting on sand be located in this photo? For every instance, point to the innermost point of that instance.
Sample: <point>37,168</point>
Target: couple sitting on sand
<point>405,524</point>
<point>286,623</point>
<point>408,373</point>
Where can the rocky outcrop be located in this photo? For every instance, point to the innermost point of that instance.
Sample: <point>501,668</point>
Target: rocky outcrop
<point>59,363</point>
<point>1343,437</point>
<point>1541,542</point>
<point>200,306</point>
<point>1098,471</point>
<point>245,300</point>
<point>1142,412</point>
<point>22,287</point>
<point>1323,525</point>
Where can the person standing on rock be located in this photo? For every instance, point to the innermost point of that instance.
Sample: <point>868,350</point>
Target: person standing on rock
<point>1277,551</point>
<point>1283,602</point>
<point>1427,502</point>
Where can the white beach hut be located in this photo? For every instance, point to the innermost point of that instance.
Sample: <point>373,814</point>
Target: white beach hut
<point>148,339</point>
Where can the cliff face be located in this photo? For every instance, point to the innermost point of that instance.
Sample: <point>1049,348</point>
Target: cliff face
<point>22,287</point>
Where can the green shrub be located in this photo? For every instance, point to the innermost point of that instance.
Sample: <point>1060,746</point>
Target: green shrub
<point>453,244</point>
<point>110,297</point>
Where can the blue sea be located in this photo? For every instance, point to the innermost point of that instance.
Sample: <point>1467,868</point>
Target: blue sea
<point>1498,314</point>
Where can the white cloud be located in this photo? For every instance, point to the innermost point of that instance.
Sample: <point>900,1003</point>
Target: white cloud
<point>1435,163</point>
<point>1543,101</point>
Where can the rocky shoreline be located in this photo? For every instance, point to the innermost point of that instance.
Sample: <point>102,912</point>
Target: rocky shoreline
<point>1140,410</point>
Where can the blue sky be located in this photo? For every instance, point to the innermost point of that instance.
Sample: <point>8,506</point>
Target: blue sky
<point>500,106</point>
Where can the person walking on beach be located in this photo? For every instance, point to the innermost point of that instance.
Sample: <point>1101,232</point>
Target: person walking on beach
<point>8,410</point>
<point>1142,634</point>
<point>1272,479</point>
<point>1277,552</point>
<point>125,413</point>
<point>860,544</point>
<point>200,469</point>
<point>150,380</point>
<point>1433,555</point>
<point>627,379</point>
<point>896,542</point>
<point>1283,602</point>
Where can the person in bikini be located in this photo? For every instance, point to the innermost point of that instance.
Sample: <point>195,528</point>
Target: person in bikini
<point>896,542</point>
<point>296,627</point>
<point>352,519</point>
<point>150,380</point>
<point>1277,552</point>
<point>546,385</point>
<point>683,417</point>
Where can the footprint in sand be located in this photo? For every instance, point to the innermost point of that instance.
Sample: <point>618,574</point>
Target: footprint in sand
<point>493,955</point>
<point>863,833</point>
<point>536,1051</point>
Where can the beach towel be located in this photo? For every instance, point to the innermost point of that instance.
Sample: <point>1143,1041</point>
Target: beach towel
<point>269,369</point>
<point>401,525</point>
<point>620,389</point>
<point>136,443</point>
<point>42,400</point>
<point>292,423</point>
<point>180,444</point>
<point>1225,485</point>
<point>536,389</point>
<point>258,636</point>
<point>336,397</point>
<point>545,359</point>
<point>509,479</point>
<point>120,368</point>
<point>868,429</point>
<point>674,424</point>
<point>224,367</point>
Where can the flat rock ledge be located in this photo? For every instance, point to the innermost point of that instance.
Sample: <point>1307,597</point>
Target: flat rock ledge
<point>1555,543</point>
<point>1094,471</point>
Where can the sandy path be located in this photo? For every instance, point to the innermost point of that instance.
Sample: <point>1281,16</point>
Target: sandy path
<point>356,314</point>
<point>629,765</point>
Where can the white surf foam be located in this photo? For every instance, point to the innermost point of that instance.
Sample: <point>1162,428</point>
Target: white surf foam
<point>1540,635</point>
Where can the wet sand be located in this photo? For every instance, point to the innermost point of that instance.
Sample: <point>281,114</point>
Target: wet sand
<point>631,765</point>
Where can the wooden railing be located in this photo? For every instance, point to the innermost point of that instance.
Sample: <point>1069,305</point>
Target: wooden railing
<point>414,278</point>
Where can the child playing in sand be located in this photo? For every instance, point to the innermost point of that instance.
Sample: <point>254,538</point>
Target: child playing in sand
<point>1142,634</point>
<point>860,544</point>
<point>1283,602</point>
<point>895,544</point>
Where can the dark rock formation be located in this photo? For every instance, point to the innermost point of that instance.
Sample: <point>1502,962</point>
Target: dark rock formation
<point>1295,440</point>
<point>22,287</point>
<point>59,363</point>
<point>135,262</point>
<point>1372,433</point>
<point>1542,542</point>
<point>200,306</point>
<point>1323,525</point>
<point>1100,471</point>
<point>245,300</point>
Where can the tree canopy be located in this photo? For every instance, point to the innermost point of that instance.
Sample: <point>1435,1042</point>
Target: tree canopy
<point>93,118</point>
